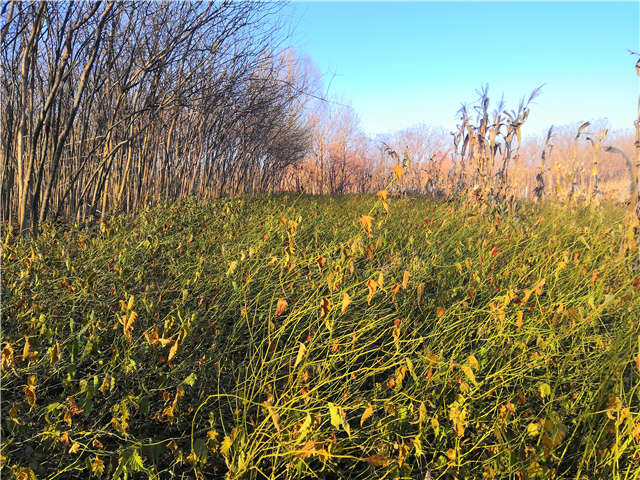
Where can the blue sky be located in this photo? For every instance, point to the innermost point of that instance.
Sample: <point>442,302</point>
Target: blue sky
<point>400,64</point>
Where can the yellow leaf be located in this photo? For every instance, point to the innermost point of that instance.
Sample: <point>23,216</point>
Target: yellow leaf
<point>545,390</point>
<point>22,473</point>
<point>405,279</point>
<point>372,285</point>
<point>411,368</point>
<point>106,383</point>
<point>130,304</point>
<point>380,280</point>
<point>379,460</point>
<point>533,429</point>
<point>281,307</point>
<point>334,415</point>
<point>13,414</point>
<point>232,267</point>
<point>584,241</point>
<point>54,354</point>
<point>275,418</point>
<point>74,448</point>
<point>127,325</point>
<point>366,414</point>
<point>365,221</point>
<point>451,453</point>
<point>422,413</point>
<point>382,195</point>
<point>417,444</point>
<point>399,171</point>
<point>304,429</point>
<point>400,374</point>
<point>225,446</point>
<point>458,415</point>
<point>432,357</point>
<point>97,466</point>
<point>338,418</point>
<point>520,320</point>
<point>26,350</point>
<point>309,449</point>
<point>301,351</point>
<point>173,350</point>
<point>473,362</point>
<point>346,301</point>
<point>439,312</point>
<point>67,417</point>
<point>7,357</point>
<point>435,424</point>
<point>30,393</point>
<point>469,373</point>
<point>326,306</point>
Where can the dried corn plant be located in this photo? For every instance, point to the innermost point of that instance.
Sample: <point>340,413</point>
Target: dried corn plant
<point>633,215</point>
<point>594,195</point>
<point>544,155</point>
<point>573,170</point>
<point>486,148</point>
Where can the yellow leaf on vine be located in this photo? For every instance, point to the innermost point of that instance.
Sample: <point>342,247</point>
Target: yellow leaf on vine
<point>365,221</point>
<point>368,412</point>
<point>346,301</point>
<point>301,351</point>
<point>372,285</point>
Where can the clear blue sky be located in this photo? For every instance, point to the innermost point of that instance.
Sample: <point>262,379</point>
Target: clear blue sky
<point>400,64</point>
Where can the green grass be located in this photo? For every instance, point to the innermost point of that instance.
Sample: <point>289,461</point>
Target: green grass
<point>510,352</point>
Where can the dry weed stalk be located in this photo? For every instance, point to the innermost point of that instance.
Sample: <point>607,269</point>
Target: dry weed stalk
<point>546,153</point>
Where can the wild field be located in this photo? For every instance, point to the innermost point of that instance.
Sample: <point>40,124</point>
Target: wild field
<point>323,337</point>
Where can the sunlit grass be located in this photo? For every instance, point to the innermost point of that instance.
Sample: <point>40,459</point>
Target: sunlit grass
<point>276,338</point>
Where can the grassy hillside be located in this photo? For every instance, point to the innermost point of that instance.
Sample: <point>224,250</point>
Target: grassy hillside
<point>297,337</point>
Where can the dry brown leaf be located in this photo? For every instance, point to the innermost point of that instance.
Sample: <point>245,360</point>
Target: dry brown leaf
<point>326,306</point>
<point>7,357</point>
<point>281,306</point>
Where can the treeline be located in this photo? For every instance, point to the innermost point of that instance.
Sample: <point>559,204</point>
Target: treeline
<point>107,106</point>
<point>111,106</point>
<point>488,151</point>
